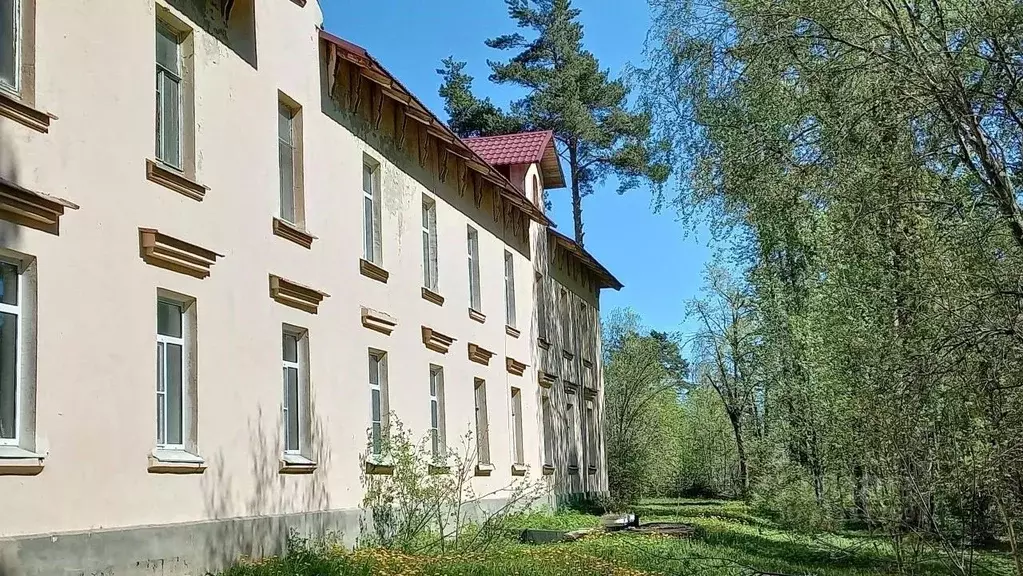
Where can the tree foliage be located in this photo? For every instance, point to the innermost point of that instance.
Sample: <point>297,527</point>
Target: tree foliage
<point>566,91</point>
<point>862,157</point>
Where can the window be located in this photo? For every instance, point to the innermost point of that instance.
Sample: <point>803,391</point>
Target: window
<point>438,441</point>
<point>11,331</point>
<point>591,434</point>
<point>509,288</point>
<point>430,244</point>
<point>474,269</point>
<point>518,451</point>
<point>169,106</point>
<point>541,307</point>
<point>175,377</point>
<point>371,245</point>
<point>536,191</point>
<point>289,144</point>
<point>482,424</point>
<point>570,429</point>
<point>10,45</point>
<point>548,430</point>
<point>292,371</point>
<point>378,400</point>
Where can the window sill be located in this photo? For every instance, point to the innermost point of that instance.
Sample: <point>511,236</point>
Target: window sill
<point>379,466</point>
<point>13,108</point>
<point>432,296</point>
<point>591,470</point>
<point>548,470</point>
<point>169,461</point>
<point>477,316</point>
<point>484,469</point>
<point>573,470</point>
<point>587,363</point>
<point>174,180</point>
<point>546,379</point>
<point>296,464</point>
<point>292,232</point>
<point>371,270</point>
<point>519,469</point>
<point>15,461</point>
<point>512,331</point>
<point>543,343</point>
<point>568,355</point>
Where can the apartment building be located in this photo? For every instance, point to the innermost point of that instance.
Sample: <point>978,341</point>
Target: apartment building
<point>232,247</point>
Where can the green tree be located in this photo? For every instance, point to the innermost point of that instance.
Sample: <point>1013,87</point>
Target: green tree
<point>566,92</point>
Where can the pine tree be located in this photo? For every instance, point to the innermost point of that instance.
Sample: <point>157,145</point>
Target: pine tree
<point>566,92</point>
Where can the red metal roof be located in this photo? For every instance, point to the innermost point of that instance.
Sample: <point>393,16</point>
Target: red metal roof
<point>521,148</point>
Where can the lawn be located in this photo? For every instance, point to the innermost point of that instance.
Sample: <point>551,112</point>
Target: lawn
<point>730,540</point>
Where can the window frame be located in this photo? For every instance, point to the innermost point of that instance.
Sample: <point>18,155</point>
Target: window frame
<point>473,250</point>
<point>509,289</point>
<point>18,310</point>
<point>162,342</point>
<point>187,305</point>
<point>17,33</point>
<point>380,386</point>
<point>178,76</point>
<point>547,418</point>
<point>438,428</point>
<point>431,280</point>
<point>300,372</point>
<point>288,114</point>
<point>482,421</point>
<point>571,423</point>
<point>372,238</point>
<point>542,317</point>
<point>517,444</point>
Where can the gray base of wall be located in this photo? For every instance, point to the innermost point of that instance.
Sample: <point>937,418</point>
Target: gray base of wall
<point>188,549</point>
<point>191,549</point>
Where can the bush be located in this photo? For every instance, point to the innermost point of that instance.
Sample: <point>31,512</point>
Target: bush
<point>786,496</point>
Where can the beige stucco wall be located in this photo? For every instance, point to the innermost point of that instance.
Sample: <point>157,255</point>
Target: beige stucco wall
<point>96,297</point>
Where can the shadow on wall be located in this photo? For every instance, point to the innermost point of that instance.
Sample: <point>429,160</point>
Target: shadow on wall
<point>253,516</point>
<point>9,172</point>
<point>232,22</point>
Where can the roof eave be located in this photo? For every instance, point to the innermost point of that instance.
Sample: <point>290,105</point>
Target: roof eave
<point>607,279</point>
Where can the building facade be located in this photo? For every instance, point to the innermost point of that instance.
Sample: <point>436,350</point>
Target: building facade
<point>215,294</point>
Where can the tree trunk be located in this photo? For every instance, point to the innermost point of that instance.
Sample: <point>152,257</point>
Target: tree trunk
<point>740,449</point>
<point>577,198</point>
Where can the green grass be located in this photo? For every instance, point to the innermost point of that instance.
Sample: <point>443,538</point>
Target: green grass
<point>730,540</point>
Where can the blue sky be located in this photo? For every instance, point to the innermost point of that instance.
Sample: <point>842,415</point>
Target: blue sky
<point>652,254</point>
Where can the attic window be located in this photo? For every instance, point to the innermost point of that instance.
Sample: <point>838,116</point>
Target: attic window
<point>536,190</point>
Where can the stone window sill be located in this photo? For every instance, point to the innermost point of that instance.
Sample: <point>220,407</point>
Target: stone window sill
<point>172,179</point>
<point>371,270</point>
<point>512,331</point>
<point>169,461</point>
<point>519,469</point>
<point>573,470</point>
<point>484,469</point>
<point>15,461</point>
<point>477,316</point>
<point>548,470</point>
<point>591,470</point>
<point>296,464</point>
<point>432,296</point>
<point>382,466</point>
<point>543,343</point>
<point>13,108</point>
<point>292,232</point>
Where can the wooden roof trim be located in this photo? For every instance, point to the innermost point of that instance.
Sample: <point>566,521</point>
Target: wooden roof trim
<point>415,110</point>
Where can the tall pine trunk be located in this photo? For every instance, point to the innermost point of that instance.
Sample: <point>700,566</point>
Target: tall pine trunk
<point>577,197</point>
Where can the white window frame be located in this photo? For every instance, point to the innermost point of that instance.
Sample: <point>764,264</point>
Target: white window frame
<point>16,34</point>
<point>509,288</point>
<point>17,309</point>
<point>299,368</point>
<point>547,418</point>
<point>372,243</point>
<point>518,449</point>
<point>291,145</point>
<point>438,430</point>
<point>186,378</point>
<point>430,280</point>
<point>473,249</point>
<point>380,386</point>
<point>177,76</point>
<point>482,421</point>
